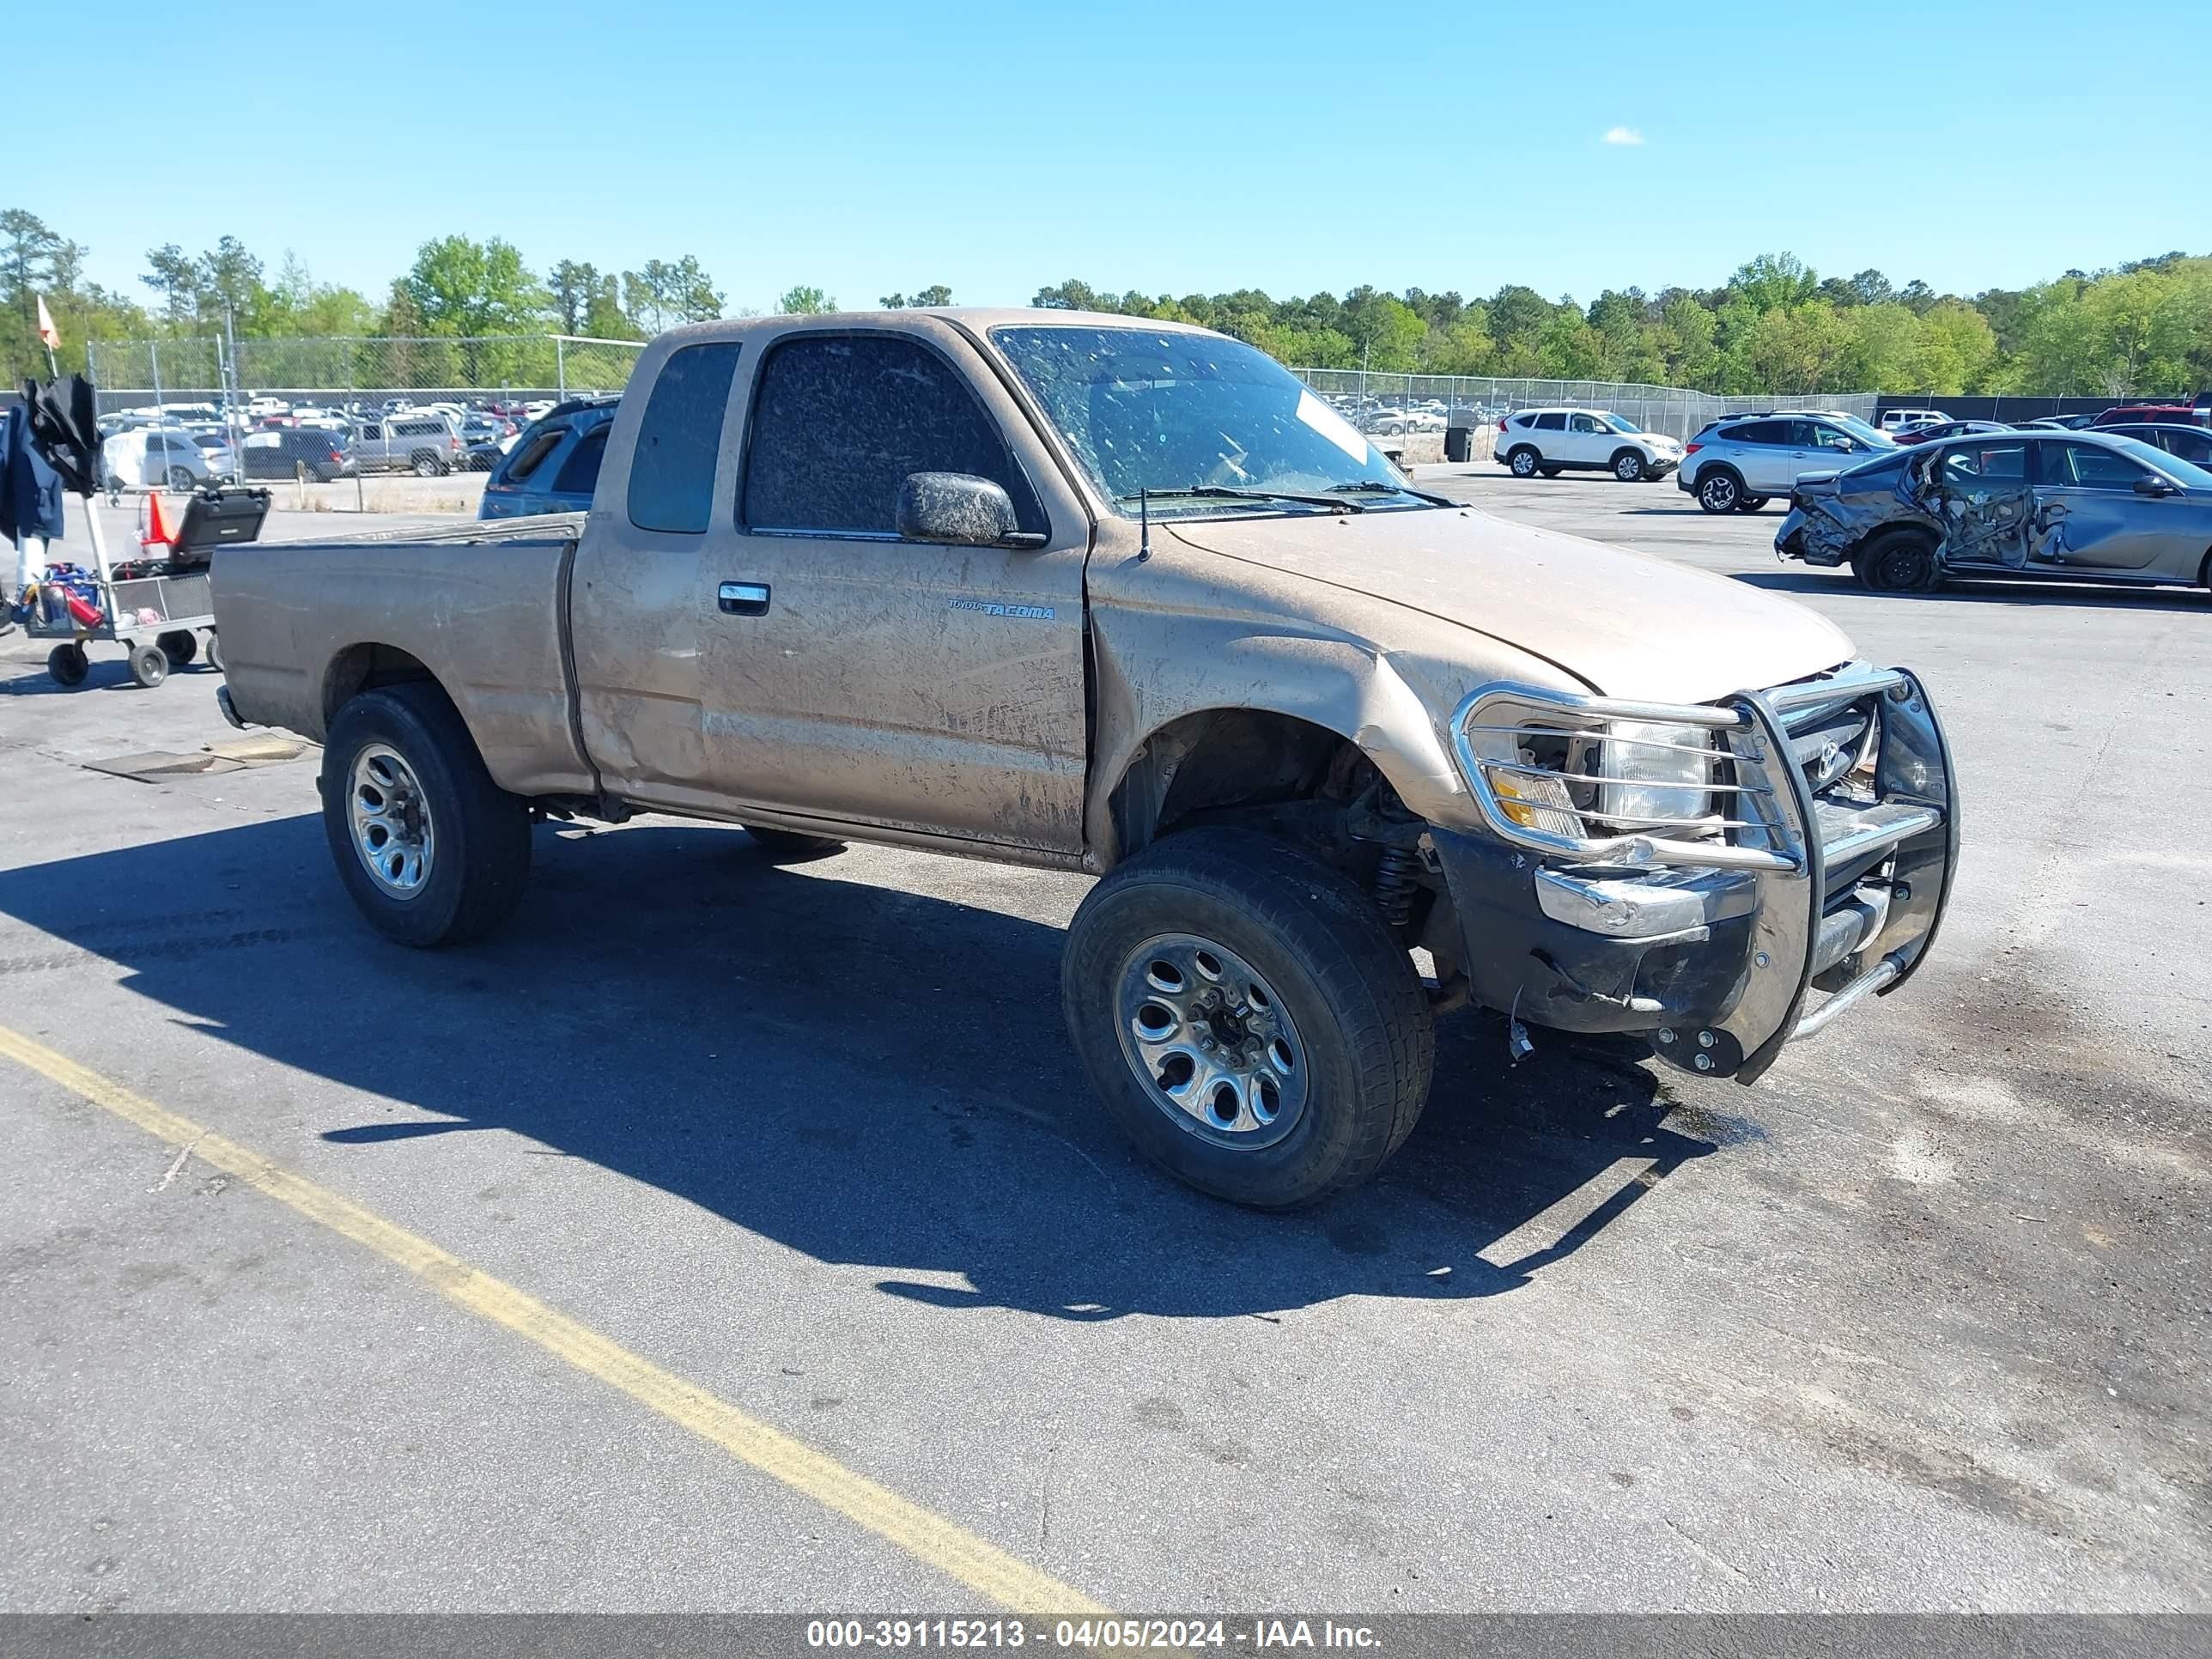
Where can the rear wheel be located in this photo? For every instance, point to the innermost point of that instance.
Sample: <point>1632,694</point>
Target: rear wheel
<point>1523,463</point>
<point>179,479</point>
<point>68,664</point>
<point>179,646</point>
<point>1628,467</point>
<point>1719,490</point>
<point>1896,562</point>
<point>428,465</point>
<point>1553,471</point>
<point>1752,503</point>
<point>1247,1018</point>
<point>789,846</point>
<point>432,850</point>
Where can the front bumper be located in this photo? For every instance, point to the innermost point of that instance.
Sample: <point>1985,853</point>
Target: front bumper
<point>1724,962</point>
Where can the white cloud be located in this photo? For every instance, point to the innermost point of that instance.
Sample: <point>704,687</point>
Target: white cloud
<point>1623,135</point>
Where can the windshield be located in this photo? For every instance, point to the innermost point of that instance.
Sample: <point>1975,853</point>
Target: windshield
<point>1607,417</point>
<point>1171,413</point>
<point>2181,471</point>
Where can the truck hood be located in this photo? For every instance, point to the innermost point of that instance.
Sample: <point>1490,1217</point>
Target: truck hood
<point>1624,623</point>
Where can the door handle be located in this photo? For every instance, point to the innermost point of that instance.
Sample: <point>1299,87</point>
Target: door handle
<point>742,599</point>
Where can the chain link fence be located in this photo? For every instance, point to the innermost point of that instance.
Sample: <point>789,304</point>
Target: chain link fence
<point>188,376</point>
<point>1412,404</point>
<point>202,377</point>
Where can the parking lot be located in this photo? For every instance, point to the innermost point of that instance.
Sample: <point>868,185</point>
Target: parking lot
<point>1918,1322</point>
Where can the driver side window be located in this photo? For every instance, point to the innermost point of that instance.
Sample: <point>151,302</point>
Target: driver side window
<point>840,420</point>
<point>1587,423</point>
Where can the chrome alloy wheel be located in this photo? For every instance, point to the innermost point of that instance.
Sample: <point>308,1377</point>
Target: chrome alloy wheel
<point>392,828</point>
<point>1211,1041</point>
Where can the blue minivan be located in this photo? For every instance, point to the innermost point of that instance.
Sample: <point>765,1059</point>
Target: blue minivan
<point>554,465</point>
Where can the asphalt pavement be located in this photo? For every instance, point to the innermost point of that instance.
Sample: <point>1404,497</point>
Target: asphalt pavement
<point>1919,1322</point>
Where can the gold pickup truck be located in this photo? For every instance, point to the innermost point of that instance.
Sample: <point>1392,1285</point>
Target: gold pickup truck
<point>1099,594</point>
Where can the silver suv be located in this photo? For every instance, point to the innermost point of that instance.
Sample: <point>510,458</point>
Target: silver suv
<point>1739,462</point>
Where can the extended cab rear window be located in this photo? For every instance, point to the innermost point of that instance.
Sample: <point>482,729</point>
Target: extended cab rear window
<point>671,471</point>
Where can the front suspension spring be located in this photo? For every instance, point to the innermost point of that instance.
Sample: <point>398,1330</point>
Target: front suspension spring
<point>1396,884</point>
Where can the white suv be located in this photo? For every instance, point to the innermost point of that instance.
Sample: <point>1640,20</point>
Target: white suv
<point>1896,420</point>
<point>1554,441</point>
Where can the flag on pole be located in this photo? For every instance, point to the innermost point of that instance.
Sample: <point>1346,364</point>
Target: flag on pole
<point>47,332</point>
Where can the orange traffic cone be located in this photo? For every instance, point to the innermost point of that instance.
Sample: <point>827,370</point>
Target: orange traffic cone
<point>157,533</point>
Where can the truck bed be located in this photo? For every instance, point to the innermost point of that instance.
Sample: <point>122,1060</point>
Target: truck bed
<point>483,607</point>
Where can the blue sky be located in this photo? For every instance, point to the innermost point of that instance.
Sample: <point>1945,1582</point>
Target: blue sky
<point>1166,148</point>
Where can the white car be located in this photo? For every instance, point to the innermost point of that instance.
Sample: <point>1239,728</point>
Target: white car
<point>1394,422</point>
<point>1897,420</point>
<point>1550,441</point>
<point>154,457</point>
<point>261,409</point>
<point>328,420</point>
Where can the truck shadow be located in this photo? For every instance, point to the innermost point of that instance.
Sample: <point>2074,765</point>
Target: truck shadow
<point>866,1075</point>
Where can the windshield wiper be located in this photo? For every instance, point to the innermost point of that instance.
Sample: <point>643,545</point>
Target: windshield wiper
<point>1222,492</point>
<point>1366,484</point>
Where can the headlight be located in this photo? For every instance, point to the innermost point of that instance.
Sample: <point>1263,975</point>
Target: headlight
<point>1653,772</point>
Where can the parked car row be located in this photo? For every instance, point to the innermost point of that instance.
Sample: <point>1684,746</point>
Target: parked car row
<point>1919,425</point>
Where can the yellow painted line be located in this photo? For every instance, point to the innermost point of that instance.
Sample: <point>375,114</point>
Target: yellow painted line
<point>928,1537</point>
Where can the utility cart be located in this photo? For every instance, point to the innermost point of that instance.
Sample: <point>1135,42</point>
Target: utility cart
<point>155,608</point>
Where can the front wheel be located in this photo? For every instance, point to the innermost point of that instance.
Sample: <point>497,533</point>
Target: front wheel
<point>150,664</point>
<point>1719,492</point>
<point>1628,467</point>
<point>179,646</point>
<point>1247,1018</point>
<point>432,850</point>
<point>68,664</point>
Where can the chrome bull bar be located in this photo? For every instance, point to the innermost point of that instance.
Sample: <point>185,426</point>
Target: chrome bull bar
<point>1784,840</point>
<point>1914,823</point>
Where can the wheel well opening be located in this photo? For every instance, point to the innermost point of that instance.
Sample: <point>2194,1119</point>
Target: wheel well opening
<point>1245,764</point>
<point>360,668</point>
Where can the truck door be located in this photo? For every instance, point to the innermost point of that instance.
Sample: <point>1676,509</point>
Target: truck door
<point>850,676</point>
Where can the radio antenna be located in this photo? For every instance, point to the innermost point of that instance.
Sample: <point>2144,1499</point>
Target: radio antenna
<point>1143,526</point>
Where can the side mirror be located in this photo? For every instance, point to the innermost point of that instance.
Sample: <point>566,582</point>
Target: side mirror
<point>959,509</point>
<point>2151,484</point>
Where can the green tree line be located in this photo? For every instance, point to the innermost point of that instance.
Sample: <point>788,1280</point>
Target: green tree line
<point>1773,325</point>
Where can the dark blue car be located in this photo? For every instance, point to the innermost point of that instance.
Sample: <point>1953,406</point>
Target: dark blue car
<point>554,465</point>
